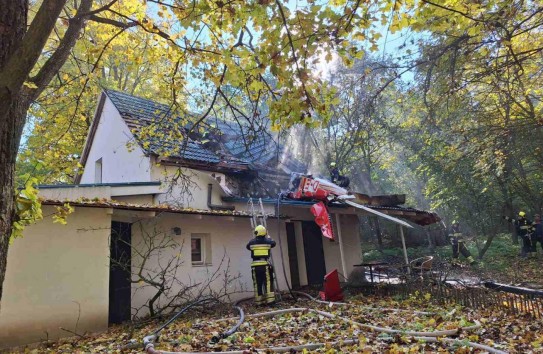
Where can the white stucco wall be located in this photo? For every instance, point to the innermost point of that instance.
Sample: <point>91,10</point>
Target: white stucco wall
<point>181,193</point>
<point>228,238</point>
<point>110,144</point>
<point>351,245</point>
<point>75,192</point>
<point>51,270</point>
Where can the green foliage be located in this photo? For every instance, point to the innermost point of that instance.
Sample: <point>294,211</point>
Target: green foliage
<point>500,256</point>
<point>28,207</point>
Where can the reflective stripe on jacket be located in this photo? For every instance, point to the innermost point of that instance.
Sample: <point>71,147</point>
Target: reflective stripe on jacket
<point>524,226</point>
<point>260,247</point>
<point>260,250</point>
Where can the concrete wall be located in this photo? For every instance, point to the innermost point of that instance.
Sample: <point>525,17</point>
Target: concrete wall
<point>180,193</point>
<point>75,192</point>
<point>110,144</point>
<point>135,199</point>
<point>228,237</point>
<point>51,270</point>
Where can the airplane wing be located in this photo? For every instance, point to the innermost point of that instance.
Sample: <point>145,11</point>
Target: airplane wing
<point>369,210</point>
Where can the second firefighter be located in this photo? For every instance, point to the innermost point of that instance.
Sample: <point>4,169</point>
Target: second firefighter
<point>261,269</point>
<point>525,229</point>
<point>457,243</point>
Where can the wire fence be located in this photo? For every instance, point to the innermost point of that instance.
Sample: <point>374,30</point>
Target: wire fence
<point>472,297</point>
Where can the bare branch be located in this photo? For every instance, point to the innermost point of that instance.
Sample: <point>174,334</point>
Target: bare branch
<point>57,60</point>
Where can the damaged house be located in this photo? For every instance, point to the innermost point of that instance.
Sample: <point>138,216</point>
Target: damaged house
<point>156,223</point>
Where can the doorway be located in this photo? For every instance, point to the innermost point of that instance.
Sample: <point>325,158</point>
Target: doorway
<point>119,272</point>
<point>314,253</point>
<point>293,255</point>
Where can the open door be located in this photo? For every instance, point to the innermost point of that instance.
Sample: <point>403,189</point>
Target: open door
<point>314,253</point>
<point>119,272</point>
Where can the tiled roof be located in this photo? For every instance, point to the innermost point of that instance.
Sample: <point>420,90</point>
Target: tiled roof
<point>229,143</point>
<point>139,112</point>
<point>139,108</point>
<point>259,150</point>
<point>192,151</point>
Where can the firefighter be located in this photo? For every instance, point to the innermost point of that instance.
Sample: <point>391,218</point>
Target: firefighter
<point>336,178</point>
<point>261,269</point>
<point>458,246</point>
<point>525,228</point>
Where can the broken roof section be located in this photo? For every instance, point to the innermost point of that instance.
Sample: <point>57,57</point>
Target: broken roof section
<point>212,141</point>
<point>141,113</point>
<point>213,144</point>
<point>231,147</point>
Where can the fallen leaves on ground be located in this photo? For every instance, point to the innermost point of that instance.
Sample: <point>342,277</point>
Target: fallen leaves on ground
<point>193,332</point>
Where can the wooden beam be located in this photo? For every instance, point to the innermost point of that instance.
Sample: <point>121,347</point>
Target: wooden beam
<point>404,249</point>
<point>343,266</point>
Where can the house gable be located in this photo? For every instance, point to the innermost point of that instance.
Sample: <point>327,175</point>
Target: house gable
<point>109,156</point>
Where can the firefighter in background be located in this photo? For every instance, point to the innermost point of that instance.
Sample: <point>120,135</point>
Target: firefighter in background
<point>336,178</point>
<point>525,228</point>
<point>458,246</point>
<point>261,269</point>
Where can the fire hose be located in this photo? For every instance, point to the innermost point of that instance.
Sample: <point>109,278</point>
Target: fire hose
<point>148,341</point>
<point>435,336</point>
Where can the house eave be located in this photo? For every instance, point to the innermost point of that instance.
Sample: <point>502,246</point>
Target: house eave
<point>149,208</point>
<point>224,167</point>
<point>419,217</point>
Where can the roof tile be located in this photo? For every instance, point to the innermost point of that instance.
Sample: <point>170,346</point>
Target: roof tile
<point>139,112</point>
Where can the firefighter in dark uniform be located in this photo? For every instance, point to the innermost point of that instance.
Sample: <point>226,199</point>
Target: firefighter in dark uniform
<point>336,178</point>
<point>525,228</point>
<point>457,243</point>
<point>261,269</point>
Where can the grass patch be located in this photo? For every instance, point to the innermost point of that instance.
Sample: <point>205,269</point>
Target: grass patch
<point>501,261</point>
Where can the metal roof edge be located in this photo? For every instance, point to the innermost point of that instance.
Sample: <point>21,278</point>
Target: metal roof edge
<point>267,201</point>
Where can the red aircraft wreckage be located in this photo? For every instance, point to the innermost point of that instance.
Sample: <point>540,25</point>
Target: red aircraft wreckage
<point>307,187</point>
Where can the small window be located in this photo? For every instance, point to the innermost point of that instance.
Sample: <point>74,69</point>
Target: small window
<point>98,171</point>
<point>200,249</point>
<point>196,250</point>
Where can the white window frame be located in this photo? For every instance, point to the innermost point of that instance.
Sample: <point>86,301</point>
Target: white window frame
<point>98,171</point>
<point>205,249</point>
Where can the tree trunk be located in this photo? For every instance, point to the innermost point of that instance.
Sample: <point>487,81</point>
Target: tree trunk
<point>20,49</point>
<point>486,246</point>
<point>378,234</point>
<point>13,20</point>
<point>10,136</point>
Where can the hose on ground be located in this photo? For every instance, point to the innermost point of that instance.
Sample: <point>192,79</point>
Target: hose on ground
<point>233,329</point>
<point>331,303</point>
<point>148,341</point>
<point>425,336</point>
<point>311,346</point>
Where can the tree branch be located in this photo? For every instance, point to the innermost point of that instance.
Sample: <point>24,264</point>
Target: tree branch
<point>21,62</point>
<point>59,57</point>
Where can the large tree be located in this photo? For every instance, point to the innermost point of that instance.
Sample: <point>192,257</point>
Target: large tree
<point>20,50</point>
